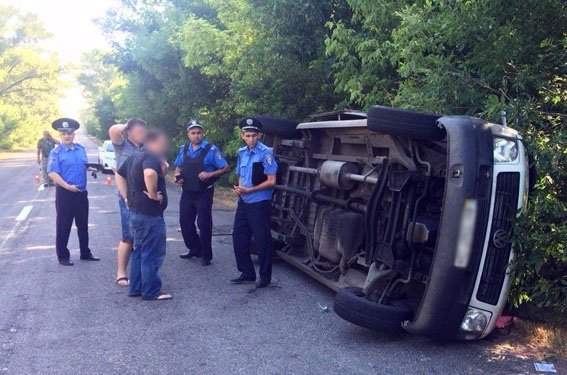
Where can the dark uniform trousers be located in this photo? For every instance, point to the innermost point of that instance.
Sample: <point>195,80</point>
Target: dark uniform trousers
<point>71,206</point>
<point>199,205</point>
<point>253,220</point>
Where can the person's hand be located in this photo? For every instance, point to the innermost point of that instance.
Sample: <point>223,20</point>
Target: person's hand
<point>73,188</point>
<point>160,197</point>
<point>240,190</point>
<point>179,180</point>
<point>204,176</point>
<point>164,166</point>
<point>156,198</point>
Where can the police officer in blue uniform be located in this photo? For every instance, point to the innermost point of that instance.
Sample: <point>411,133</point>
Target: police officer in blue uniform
<point>68,170</point>
<point>198,166</point>
<point>256,170</point>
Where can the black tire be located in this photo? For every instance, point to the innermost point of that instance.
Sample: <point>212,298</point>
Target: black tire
<point>279,127</point>
<point>400,122</point>
<point>353,306</point>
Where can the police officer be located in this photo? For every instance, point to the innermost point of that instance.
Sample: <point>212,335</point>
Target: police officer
<point>198,165</point>
<point>256,170</point>
<point>68,170</point>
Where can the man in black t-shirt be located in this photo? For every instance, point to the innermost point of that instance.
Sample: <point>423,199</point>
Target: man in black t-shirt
<point>147,199</point>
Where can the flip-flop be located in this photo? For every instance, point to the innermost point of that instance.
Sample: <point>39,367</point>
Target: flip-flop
<point>163,297</point>
<point>119,283</point>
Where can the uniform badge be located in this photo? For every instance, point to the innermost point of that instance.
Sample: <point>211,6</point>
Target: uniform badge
<point>269,159</point>
<point>249,121</point>
<point>65,124</point>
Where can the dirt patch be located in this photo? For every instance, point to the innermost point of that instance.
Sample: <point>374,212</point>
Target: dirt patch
<point>224,196</point>
<point>531,341</point>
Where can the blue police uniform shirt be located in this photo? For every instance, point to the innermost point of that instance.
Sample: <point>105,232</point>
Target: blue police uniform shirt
<point>246,158</point>
<point>70,162</point>
<point>213,160</point>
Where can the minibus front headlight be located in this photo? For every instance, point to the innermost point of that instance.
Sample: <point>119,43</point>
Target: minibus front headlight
<point>505,150</point>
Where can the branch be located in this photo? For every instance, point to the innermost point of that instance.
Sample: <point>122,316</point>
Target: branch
<point>480,83</point>
<point>7,89</point>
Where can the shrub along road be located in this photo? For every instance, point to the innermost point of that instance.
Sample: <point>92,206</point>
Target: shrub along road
<point>75,320</point>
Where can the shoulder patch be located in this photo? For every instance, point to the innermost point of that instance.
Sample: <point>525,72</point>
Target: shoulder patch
<point>269,158</point>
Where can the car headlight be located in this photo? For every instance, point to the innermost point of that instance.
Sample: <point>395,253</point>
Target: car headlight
<point>505,150</point>
<point>475,322</point>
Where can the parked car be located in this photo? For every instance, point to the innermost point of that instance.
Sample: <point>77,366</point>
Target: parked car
<point>407,215</point>
<point>106,157</point>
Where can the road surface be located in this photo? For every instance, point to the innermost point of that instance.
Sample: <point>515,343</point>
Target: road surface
<point>75,320</point>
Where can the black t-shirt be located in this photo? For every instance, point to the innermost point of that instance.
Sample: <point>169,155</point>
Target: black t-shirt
<point>133,171</point>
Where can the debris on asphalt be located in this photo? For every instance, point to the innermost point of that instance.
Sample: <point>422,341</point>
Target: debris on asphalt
<point>504,321</point>
<point>324,308</point>
<point>545,367</point>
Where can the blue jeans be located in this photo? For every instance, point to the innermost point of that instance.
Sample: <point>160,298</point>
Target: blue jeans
<point>148,255</point>
<point>125,220</point>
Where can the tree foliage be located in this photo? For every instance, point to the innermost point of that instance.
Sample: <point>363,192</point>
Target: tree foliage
<point>29,80</point>
<point>477,57</point>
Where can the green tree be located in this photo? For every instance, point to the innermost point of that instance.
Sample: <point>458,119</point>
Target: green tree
<point>477,57</point>
<point>29,80</point>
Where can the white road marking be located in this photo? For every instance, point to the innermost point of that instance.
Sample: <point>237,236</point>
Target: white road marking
<point>24,213</point>
<point>15,228</point>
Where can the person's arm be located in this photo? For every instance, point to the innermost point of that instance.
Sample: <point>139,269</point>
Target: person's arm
<point>120,179</point>
<point>270,170</point>
<point>38,151</point>
<point>268,184</point>
<point>56,178</point>
<point>122,186</point>
<point>116,133</point>
<point>54,172</point>
<point>207,175</point>
<point>151,181</point>
<point>178,164</point>
<point>220,164</point>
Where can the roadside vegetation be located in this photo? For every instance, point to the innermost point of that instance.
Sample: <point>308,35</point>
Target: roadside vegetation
<point>30,84</point>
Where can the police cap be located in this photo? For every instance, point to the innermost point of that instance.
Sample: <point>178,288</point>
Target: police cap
<point>250,124</point>
<point>194,124</point>
<point>65,125</point>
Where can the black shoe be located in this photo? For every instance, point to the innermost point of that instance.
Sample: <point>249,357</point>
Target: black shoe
<point>189,255</point>
<point>90,257</point>
<point>65,262</point>
<point>262,283</point>
<point>205,262</point>
<point>243,279</point>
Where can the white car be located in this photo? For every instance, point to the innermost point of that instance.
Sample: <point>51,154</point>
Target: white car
<point>106,156</point>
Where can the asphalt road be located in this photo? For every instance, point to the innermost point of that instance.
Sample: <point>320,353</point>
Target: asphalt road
<point>75,320</point>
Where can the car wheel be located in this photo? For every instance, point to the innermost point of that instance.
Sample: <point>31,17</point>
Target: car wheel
<point>400,122</point>
<point>353,306</point>
<point>279,127</point>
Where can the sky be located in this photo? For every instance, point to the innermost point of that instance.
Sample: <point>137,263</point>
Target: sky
<point>74,32</point>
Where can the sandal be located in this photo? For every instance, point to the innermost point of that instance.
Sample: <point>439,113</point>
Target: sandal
<point>122,281</point>
<point>162,297</point>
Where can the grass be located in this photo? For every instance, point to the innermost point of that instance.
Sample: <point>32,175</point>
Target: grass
<point>533,341</point>
<point>544,337</point>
